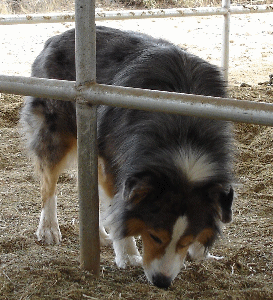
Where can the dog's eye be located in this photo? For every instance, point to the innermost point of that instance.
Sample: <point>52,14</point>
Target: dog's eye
<point>156,239</point>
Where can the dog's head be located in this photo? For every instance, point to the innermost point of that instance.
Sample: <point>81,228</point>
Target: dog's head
<point>172,221</point>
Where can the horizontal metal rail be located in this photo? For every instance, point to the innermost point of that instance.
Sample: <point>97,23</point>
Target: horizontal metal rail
<point>177,103</point>
<point>135,14</point>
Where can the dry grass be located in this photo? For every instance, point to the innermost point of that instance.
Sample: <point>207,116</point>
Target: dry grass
<point>32,271</point>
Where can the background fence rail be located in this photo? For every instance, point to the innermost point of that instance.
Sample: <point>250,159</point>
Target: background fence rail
<point>136,14</point>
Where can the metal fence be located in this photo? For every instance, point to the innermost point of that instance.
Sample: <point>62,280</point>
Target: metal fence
<point>86,90</point>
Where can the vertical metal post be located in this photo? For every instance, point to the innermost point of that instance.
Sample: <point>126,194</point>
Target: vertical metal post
<point>225,45</point>
<point>87,137</point>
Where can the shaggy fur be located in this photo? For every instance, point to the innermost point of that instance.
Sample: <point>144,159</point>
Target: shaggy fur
<point>167,177</point>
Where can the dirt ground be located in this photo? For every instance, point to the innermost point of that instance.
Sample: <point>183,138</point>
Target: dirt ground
<point>29,270</point>
<point>33,271</point>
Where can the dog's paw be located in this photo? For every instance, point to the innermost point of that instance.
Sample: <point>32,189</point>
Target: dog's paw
<point>48,231</point>
<point>121,262</point>
<point>128,260</point>
<point>49,234</point>
<point>197,251</point>
<point>126,253</point>
<point>135,260</point>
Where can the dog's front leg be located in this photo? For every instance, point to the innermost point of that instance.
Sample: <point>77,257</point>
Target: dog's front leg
<point>126,252</point>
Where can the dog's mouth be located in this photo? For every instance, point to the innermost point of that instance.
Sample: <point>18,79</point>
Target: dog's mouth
<point>161,273</point>
<point>159,279</point>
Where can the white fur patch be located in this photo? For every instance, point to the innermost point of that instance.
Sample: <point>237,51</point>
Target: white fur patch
<point>104,237</point>
<point>105,201</point>
<point>196,166</point>
<point>126,252</point>
<point>170,263</point>
<point>198,252</point>
<point>48,230</point>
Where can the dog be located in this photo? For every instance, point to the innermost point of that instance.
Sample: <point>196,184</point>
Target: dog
<point>164,177</point>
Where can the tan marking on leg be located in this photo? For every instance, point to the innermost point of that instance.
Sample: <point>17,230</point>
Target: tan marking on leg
<point>48,230</point>
<point>50,174</point>
<point>106,179</point>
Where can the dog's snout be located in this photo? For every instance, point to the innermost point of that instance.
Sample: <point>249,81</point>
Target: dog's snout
<point>161,281</point>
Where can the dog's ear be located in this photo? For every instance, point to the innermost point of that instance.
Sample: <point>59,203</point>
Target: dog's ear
<point>137,188</point>
<point>224,197</point>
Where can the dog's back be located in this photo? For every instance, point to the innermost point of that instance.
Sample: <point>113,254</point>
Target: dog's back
<point>123,58</point>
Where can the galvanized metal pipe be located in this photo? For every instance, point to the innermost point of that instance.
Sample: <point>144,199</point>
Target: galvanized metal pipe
<point>184,104</point>
<point>225,45</point>
<point>37,18</point>
<point>38,87</point>
<point>87,137</point>
<point>135,14</point>
<point>250,9</point>
<point>177,103</point>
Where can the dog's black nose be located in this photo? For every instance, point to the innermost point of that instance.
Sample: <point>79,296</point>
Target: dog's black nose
<point>161,281</point>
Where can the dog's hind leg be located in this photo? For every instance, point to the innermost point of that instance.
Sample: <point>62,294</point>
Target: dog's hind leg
<point>48,231</point>
<point>49,129</point>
